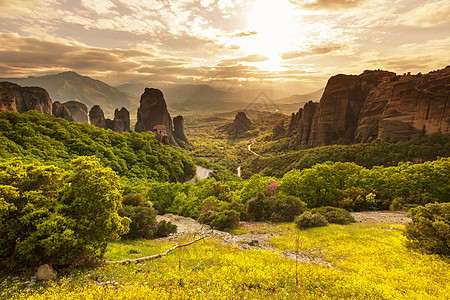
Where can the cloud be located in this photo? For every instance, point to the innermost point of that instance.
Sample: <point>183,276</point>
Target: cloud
<point>26,55</point>
<point>427,15</point>
<point>244,34</point>
<point>14,9</point>
<point>98,6</point>
<point>327,4</point>
<point>310,52</point>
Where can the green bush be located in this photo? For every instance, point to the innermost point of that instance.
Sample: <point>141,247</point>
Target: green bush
<point>429,230</point>
<point>143,221</point>
<point>308,220</point>
<point>285,208</point>
<point>228,219</point>
<point>256,207</point>
<point>396,204</point>
<point>46,217</point>
<point>335,215</point>
<point>164,228</point>
<point>207,216</point>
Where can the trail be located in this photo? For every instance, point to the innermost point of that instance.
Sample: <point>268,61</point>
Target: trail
<point>201,173</point>
<point>251,151</point>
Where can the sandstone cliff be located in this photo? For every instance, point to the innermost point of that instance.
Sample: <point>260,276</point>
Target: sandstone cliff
<point>78,110</point>
<point>61,111</point>
<point>240,124</point>
<point>152,112</point>
<point>120,123</point>
<point>178,129</point>
<point>374,104</point>
<point>13,97</point>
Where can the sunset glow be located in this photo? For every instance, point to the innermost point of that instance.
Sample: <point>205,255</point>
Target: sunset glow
<point>222,42</point>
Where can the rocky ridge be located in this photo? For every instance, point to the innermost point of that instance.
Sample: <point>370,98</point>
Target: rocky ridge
<point>240,124</point>
<point>374,104</point>
<point>14,97</point>
<point>120,123</point>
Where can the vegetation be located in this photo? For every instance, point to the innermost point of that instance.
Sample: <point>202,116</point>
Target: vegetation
<point>50,216</point>
<point>335,215</point>
<point>309,219</point>
<point>135,157</point>
<point>359,261</point>
<point>429,230</point>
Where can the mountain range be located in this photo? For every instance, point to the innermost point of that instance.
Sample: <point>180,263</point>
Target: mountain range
<point>185,98</point>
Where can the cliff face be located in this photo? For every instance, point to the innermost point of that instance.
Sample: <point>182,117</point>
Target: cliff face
<point>178,129</point>
<point>375,104</point>
<point>61,111</point>
<point>240,124</point>
<point>152,112</point>
<point>405,106</point>
<point>78,110</point>
<point>13,97</point>
<point>120,123</point>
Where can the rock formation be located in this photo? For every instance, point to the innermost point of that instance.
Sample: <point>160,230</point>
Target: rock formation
<point>97,117</point>
<point>120,123</point>
<point>374,104</point>
<point>278,130</point>
<point>152,112</point>
<point>240,124</point>
<point>78,110</point>
<point>178,129</point>
<point>13,97</point>
<point>121,120</point>
<point>61,111</point>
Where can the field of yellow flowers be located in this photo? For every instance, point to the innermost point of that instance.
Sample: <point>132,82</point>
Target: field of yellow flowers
<point>358,261</point>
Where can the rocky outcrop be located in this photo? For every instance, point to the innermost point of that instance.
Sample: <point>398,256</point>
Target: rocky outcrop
<point>121,120</point>
<point>240,124</point>
<point>120,123</point>
<point>405,106</point>
<point>300,125</point>
<point>152,111</point>
<point>278,130</point>
<point>178,129</point>
<point>97,117</point>
<point>61,111</point>
<point>14,97</point>
<point>78,110</point>
<point>374,104</point>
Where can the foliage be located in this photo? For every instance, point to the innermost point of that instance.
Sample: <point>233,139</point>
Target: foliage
<point>227,219</point>
<point>429,230</point>
<point>164,228</point>
<point>47,216</point>
<point>335,215</point>
<point>51,140</point>
<point>143,221</point>
<point>308,220</point>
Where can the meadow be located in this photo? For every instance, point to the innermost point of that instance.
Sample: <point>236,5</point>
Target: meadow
<point>358,261</point>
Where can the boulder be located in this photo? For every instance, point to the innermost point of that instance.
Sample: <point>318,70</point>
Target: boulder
<point>46,272</point>
<point>121,120</point>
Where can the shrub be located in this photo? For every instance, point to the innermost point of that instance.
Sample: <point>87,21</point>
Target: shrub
<point>308,220</point>
<point>143,221</point>
<point>429,230</point>
<point>335,215</point>
<point>285,208</point>
<point>164,228</point>
<point>134,200</point>
<point>256,207</point>
<point>396,204</point>
<point>207,217</point>
<point>228,219</point>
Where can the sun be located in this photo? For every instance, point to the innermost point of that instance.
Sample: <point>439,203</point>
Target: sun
<point>276,26</point>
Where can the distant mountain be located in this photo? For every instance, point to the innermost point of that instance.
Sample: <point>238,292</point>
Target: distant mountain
<point>314,97</point>
<point>69,86</point>
<point>135,89</point>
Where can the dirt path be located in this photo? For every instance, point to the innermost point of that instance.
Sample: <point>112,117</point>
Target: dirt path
<point>386,216</point>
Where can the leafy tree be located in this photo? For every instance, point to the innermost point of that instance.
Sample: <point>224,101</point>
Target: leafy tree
<point>429,230</point>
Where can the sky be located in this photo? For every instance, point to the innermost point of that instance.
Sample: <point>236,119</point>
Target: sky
<point>290,45</point>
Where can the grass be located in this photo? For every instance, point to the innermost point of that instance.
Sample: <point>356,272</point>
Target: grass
<point>368,261</point>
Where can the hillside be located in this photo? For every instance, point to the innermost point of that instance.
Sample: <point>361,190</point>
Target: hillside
<point>69,86</point>
<point>136,157</point>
